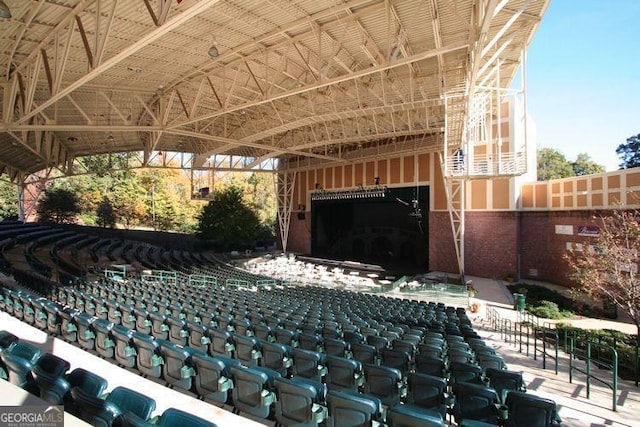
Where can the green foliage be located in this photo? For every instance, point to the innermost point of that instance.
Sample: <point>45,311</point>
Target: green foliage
<point>227,221</point>
<point>59,205</point>
<point>8,200</point>
<point>585,166</point>
<point>629,152</point>
<point>550,310</point>
<point>553,165</point>
<point>105,215</point>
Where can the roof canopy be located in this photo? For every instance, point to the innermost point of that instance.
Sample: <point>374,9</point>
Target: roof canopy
<point>297,80</point>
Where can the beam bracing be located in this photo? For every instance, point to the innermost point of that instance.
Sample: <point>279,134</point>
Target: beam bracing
<point>284,189</point>
<point>454,185</point>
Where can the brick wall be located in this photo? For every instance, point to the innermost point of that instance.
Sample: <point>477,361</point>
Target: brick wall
<point>300,233</point>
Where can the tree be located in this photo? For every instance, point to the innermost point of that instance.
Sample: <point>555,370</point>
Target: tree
<point>553,165</point>
<point>8,200</point>
<point>585,166</point>
<point>105,214</point>
<point>607,270</point>
<point>58,205</point>
<point>228,221</point>
<point>629,152</point>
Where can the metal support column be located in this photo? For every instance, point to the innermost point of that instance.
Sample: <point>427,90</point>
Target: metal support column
<point>284,190</point>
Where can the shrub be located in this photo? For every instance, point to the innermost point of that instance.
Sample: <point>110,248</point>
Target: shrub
<point>550,310</point>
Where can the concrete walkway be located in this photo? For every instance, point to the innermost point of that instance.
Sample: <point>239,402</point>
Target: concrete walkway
<point>575,408</point>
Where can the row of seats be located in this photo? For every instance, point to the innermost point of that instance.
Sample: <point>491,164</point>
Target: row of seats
<point>81,392</point>
<point>176,357</point>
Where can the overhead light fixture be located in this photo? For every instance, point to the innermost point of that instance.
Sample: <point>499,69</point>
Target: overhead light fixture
<point>213,50</point>
<point>5,13</point>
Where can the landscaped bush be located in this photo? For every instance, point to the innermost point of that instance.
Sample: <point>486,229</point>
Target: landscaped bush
<point>550,310</point>
<point>536,294</point>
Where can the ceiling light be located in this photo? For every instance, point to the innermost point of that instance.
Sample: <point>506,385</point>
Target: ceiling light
<point>5,13</point>
<point>213,49</point>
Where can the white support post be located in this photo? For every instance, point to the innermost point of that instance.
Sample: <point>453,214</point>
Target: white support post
<point>284,190</point>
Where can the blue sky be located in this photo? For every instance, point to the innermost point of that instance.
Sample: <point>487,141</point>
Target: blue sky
<point>583,78</point>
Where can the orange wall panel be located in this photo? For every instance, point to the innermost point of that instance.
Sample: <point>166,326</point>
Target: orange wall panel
<point>541,196</point>
<point>359,175</point>
<point>614,197</point>
<point>328,178</point>
<point>382,171</point>
<point>613,181</point>
<point>567,186</point>
<point>370,168</point>
<point>633,179</point>
<point>555,202</point>
<point>348,176</point>
<point>394,170</point>
<point>439,194</point>
<point>582,201</point>
<point>555,188</point>
<point>501,194</point>
<point>423,167</point>
<point>409,169</point>
<point>568,201</point>
<point>337,176</point>
<point>581,185</point>
<point>478,194</point>
<point>527,196</point>
<point>596,200</point>
<point>596,183</point>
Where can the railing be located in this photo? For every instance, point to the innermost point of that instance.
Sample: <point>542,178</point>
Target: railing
<point>613,366</point>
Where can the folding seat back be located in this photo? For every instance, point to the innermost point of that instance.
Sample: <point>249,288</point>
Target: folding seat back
<point>460,356</point>
<point>353,337</point>
<point>86,333</point>
<point>192,314</point>
<point>243,327</point>
<point>337,347</point>
<point>127,400</point>
<point>178,332</point>
<point>311,342</point>
<point>425,363</point>
<point>300,402</point>
<point>53,317</point>
<point>124,351</point>
<point>254,390</point>
<point>177,369</point>
<point>364,353</point>
<point>213,378</point>
<point>222,343</point>
<point>89,382</point>
<point>308,364</point>
<point>248,350</point>
<point>101,310</point>
<point>493,361</point>
<point>428,391</point>
<point>503,381</point>
<point>352,409</point>
<point>525,409</point>
<point>465,372</point>
<point>405,345</point>
<point>384,383</point>
<point>114,314</point>
<point>343,374</point>
<point>28,313</point>
<point>18,309</point>
<point>286,337</point>
<point>378,342</point>
<point>159,326</point>
<point>7,340</point>
<point>474,402</point>
<point>143,321</point>
<point>19,361</point>
<point>413,416</point>
<point>264,332</point>
<point>198,336</point>
<point>398,359</point>
<point>39,313</point>
<point>173,417</point>
<point>94,410</point>
<point>148,360</point>
<point>104,343</point>
<point>277,357</point>
<point>430,350</point>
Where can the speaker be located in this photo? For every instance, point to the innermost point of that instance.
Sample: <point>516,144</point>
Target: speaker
<point>301,215</point>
